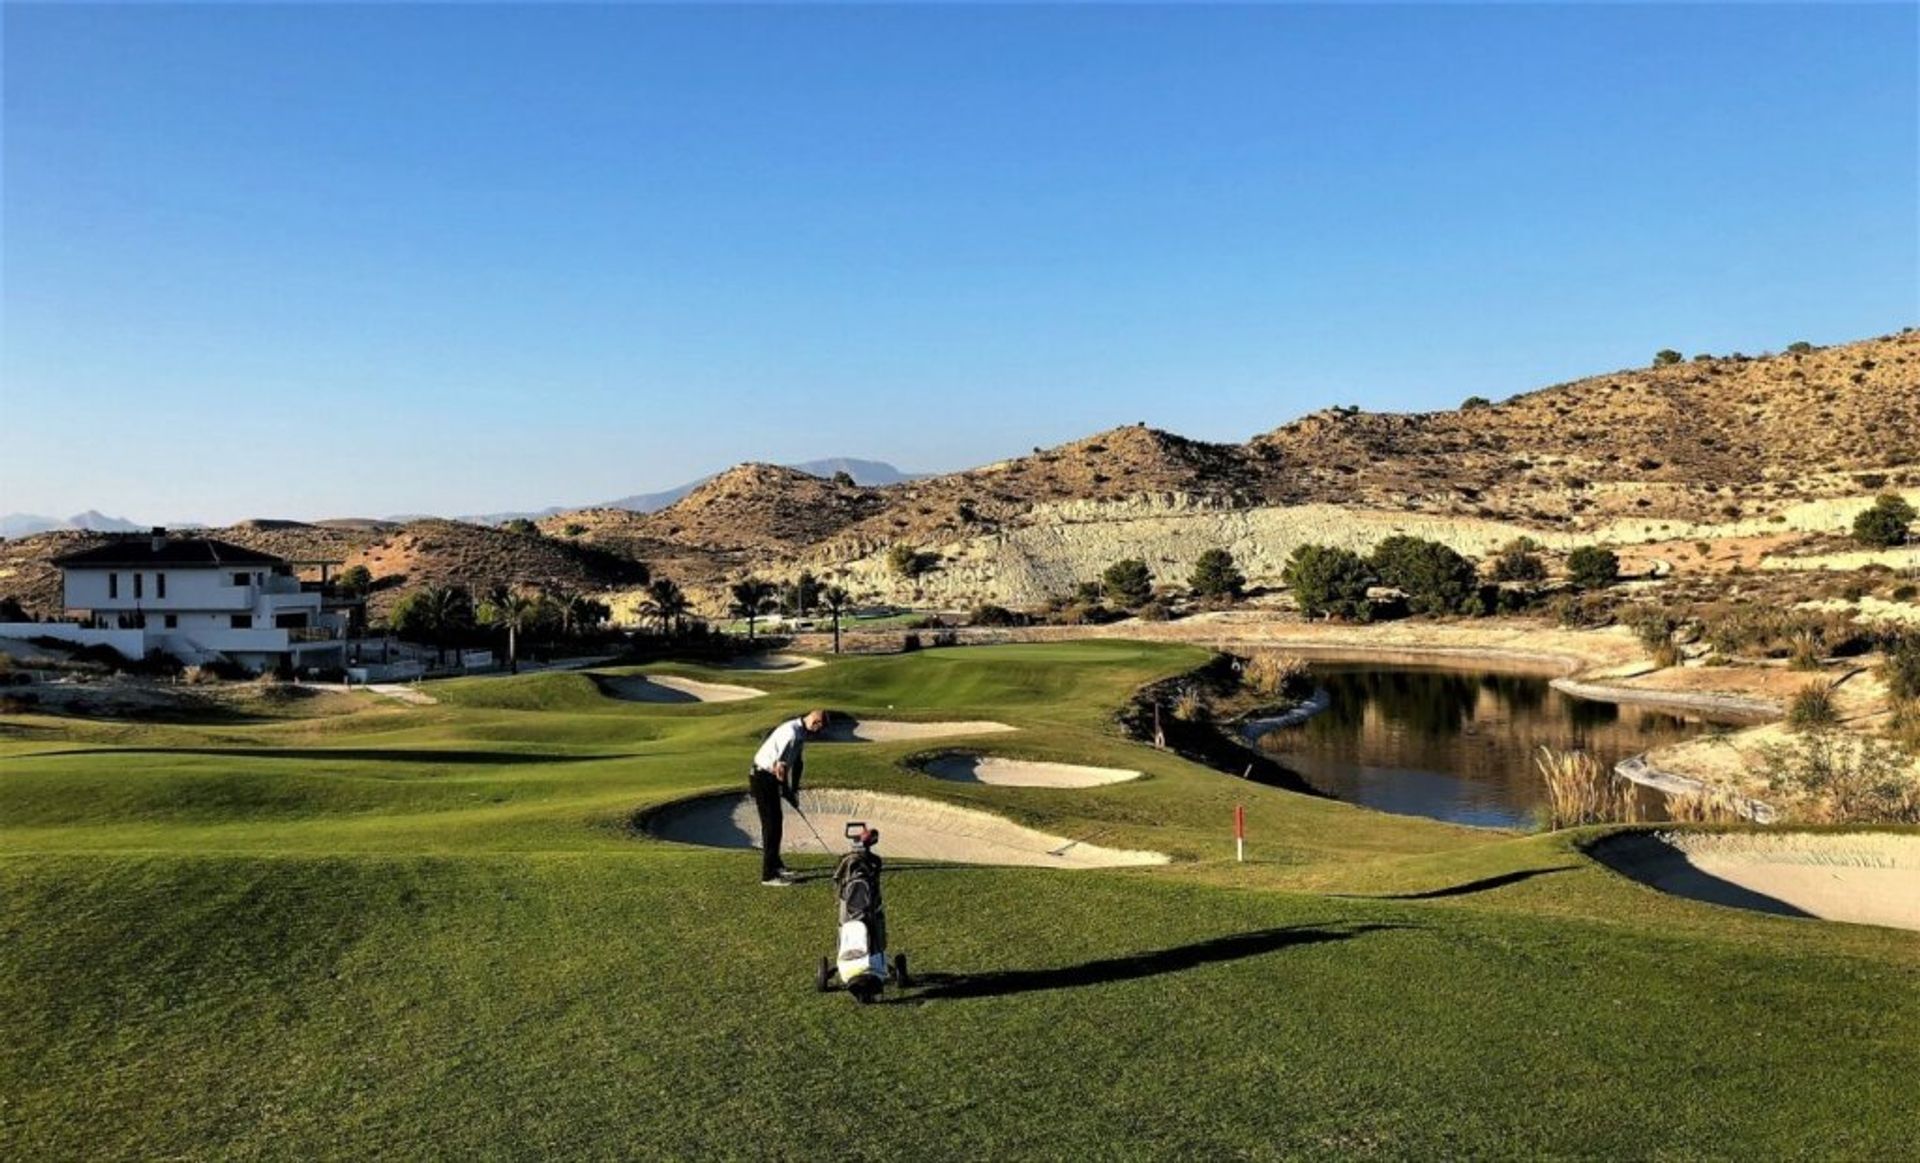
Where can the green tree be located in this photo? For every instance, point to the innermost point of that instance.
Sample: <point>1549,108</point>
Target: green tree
<point>1800,347</point>
<point>1329,582</point>
<point>751,598</point>
<point>835,601</point>
<point>1472,402</point>
<point>511,611</point>
<point>1216,576</point>
<point>1435,579</point>
<point>801,594</point>
<point>436,616</point>
<point>1519,561</point>
<point>1591,567</point>
<point>353,582</point>
<point>1127,583</point>
<point>666,604</point>
<point>1666,357</point>
<point>578,614</point>
<point>1886,523</point>
<point>521,525</point>
<point>844,479</point>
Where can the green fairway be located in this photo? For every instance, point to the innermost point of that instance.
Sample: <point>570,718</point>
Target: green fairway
<point>351,928</point>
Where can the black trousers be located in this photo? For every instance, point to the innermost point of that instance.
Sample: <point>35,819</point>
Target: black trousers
<point>766,799</point>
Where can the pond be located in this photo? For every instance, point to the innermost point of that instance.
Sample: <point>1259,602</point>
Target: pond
<point>1458,745</point>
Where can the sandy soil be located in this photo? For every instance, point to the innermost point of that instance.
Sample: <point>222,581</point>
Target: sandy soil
<point>909,827</point>
<point>1022,772</point>
<point>1868,878</point>
<point>662,688</point>
<point>772,662</point>
<point>890,731</point>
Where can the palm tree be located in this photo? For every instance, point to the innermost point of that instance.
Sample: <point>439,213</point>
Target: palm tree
<point>835,600</point>
<point>751,596</point>
<point>665,603</point>
<point>506,610</point>
<point>578,612</point>
<point>448,614</point>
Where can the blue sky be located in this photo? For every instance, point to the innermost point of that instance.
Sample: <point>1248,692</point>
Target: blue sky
<point>310,261</point>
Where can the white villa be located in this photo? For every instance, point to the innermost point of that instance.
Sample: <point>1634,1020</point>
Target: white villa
<point>196,599</point>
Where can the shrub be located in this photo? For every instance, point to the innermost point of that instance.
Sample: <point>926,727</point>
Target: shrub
<point>198,676</point>
<point>1475,402</point>
<point>1905,593</point>
<point>1581,611</point>
<point>353,581</point>
<point>1272,674</point>
<point>1901,670</point>
<point>1805,650</point>
<point>1886,523</point>
<point>1127,583</point>
<point>1652,625</point>
<point>1154,611</point>
<point>909,643</point>
<point>1329,582</point>
<point>1705,807</point>
<point>1190,705</point>
<point>521,525</point>
<point>991,615</point>
<point>1581,791</point>
<point>1591,567</point>
<point>1811,708</point>
<point>908,562</point>
<point>1435,579</point>
<point>1666,357</point>
<point>1904,727</point>
<point>1216,576</point>
<point>1799,347</point>
<point>574,529</point>
<point>1519,561</point>
<point>1843,778</point>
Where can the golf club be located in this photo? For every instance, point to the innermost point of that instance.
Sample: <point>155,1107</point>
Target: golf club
<point>817,838</point>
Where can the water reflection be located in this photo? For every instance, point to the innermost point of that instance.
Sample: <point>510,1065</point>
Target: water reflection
<point>1457,745</point>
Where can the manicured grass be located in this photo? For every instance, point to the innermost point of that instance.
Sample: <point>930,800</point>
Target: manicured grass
<point>428,932</point>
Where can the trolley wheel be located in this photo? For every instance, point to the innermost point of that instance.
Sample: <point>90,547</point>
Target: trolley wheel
<point>823,977</point>
<point>900,970</point>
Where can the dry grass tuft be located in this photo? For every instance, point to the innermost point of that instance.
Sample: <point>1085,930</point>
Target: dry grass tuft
<point>1273,674</point>
<point>1581,791</point>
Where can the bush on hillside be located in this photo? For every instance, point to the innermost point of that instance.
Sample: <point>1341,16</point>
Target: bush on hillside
<point>1519,561</point>
<point>1435,579</point>
<point>1329,583</point>
<point>1887,523</point>
<point>1216,576</point>
<point>1127,583</point>
<point>1592,567</point>
<point>1666,357</point>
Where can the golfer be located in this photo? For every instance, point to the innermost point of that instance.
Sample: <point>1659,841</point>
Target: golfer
<point>776,776</point>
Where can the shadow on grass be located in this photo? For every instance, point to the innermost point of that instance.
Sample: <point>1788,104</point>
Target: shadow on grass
<point>1106,971</point>
<point>1485,884</point>
<point>352,754</point>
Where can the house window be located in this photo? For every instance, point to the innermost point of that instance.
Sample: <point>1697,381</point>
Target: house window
<point>243,621</point>
<point>113,585</point>
<point>173,621</point>
<point>239,579</point>
<point>139,585</point>
<point>290,621</point>
<point>159,585</point>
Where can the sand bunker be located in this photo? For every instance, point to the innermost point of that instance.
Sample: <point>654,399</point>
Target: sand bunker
<point>1022,772</point>
<point>772,662</point>
<point>662,688</point>
<point>1868,878</point>
<point>890,731</point>
<point>909,827</point>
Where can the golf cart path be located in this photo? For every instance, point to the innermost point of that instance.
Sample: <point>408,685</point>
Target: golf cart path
<point>1002,772</point>
<point>910,826</point>
<point>1868,878</point>
<point>666,688</point>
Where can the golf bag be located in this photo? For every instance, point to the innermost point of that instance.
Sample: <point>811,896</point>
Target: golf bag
<point>861,964</point>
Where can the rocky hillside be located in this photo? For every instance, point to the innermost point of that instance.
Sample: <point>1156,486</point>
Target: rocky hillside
<point>1712,446</point>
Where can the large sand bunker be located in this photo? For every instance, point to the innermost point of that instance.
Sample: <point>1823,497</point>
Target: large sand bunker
<point>1022,772</point>
<point>909,827</point>
<point>893,731</point>
<point>663,688</point>
<point>1869,878</point>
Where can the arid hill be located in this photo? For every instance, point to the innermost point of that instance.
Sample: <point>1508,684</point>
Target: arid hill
<point>1786,441</point>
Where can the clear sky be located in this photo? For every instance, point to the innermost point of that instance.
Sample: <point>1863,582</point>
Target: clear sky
<point>310,261</point>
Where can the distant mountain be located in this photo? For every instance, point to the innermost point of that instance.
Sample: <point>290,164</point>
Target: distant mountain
<point>91,521</point>
<point>864,472</point>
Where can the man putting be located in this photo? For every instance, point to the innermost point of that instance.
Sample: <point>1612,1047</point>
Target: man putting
<point>776,776</point>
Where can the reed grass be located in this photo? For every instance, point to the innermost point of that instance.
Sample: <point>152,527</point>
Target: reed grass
<point>1581,791</point>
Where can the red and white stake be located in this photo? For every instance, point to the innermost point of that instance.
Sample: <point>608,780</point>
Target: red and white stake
<point>1240,832</point>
